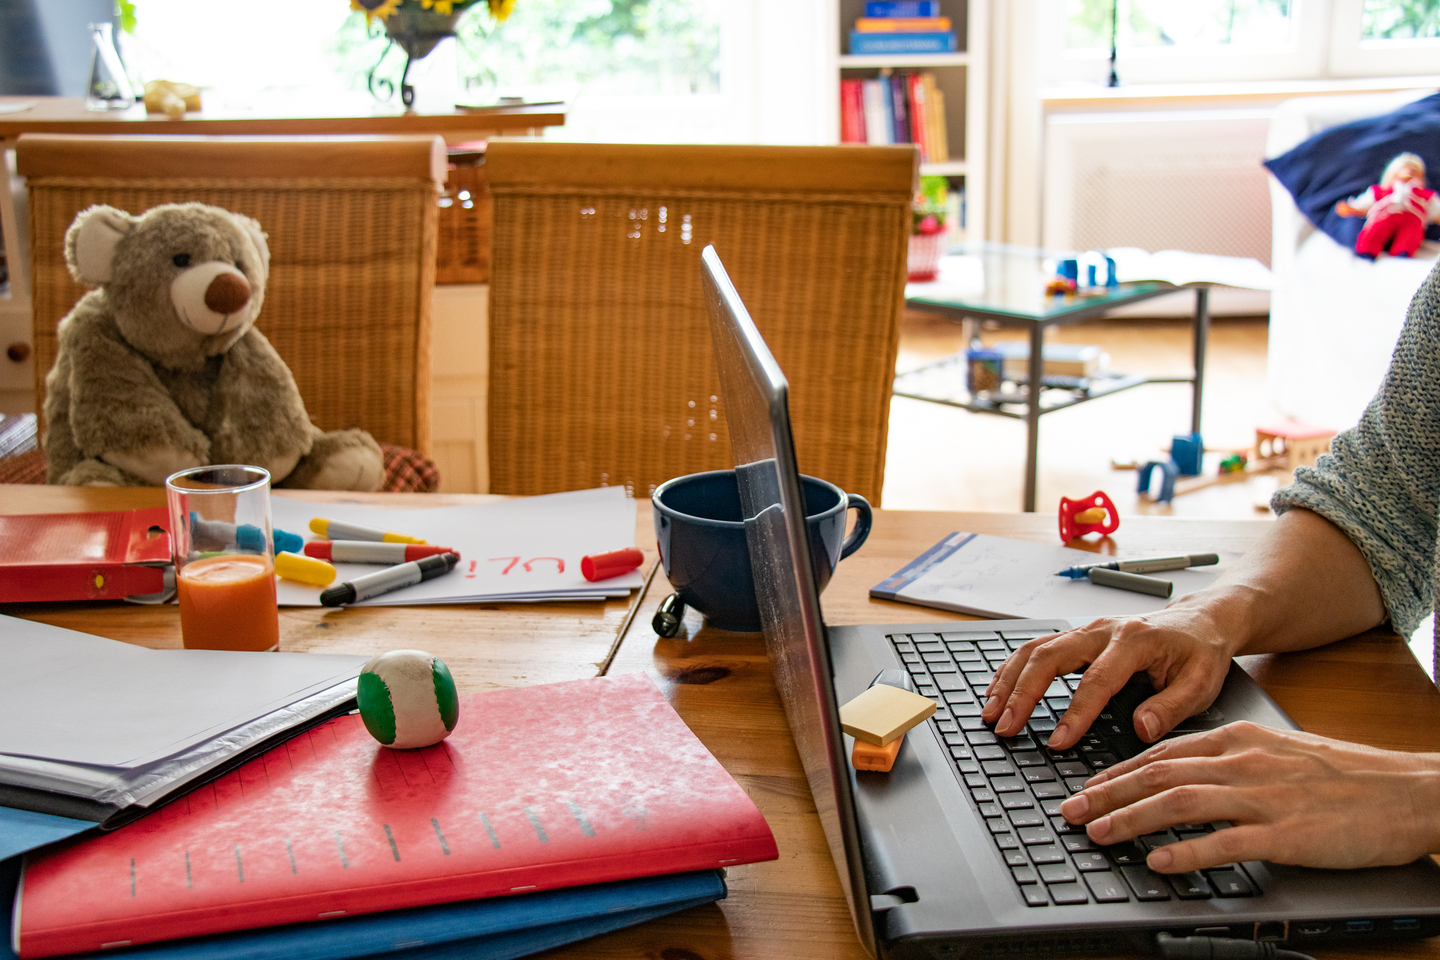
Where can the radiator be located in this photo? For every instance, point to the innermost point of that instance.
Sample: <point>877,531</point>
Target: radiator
<point>1176,180</point>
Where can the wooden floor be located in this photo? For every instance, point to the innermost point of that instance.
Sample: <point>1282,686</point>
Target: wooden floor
<point>942,458</point>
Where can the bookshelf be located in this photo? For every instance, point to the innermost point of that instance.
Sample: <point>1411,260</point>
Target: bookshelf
<point>960,76</point>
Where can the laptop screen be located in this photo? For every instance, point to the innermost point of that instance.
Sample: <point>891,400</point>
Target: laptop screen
<point>755,394</point>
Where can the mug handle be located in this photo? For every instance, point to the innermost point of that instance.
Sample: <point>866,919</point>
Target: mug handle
<point>863,519</point>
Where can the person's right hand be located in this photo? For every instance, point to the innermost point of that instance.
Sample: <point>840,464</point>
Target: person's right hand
<point>1182,648</point>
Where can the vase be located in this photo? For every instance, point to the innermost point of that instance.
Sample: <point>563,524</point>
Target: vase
<point>416,31</point>
<point>924,259</point>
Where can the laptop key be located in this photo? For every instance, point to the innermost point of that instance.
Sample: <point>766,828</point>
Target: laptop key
<point>1025,874</point>
<point>980,738</point>
<point>939,667</point>
<point>1057,873</point>
<point>1037,774</point>
<point>1021,742</point>
<point>1059,755</point>
<point>939,655</point>
<point>1058,704</point>
<point>996,768</point>
<point>976,781</point>
<point>1045,853</point>
<point>992,645</point>
<point>1044,791</point>
<point>1041,726</point>
<point>1007,841</point>
<point>1102,760</point>
<point>1062,826</point>
<point>982,796</point>
<point>971,723</point>
<point>991,752</point>
<point>1015,858</point>
<point>955,739</point>
<point>948,682</point>
<point>1033,835</point>
<point>991,809</point>
<point>1006,784</point>
<point>932,645</point>
<point>1057,689</point>
<point>1226,883</point>
<point>966,709</point>
<point>997,825</point>
<point>1090,861</point>
<point>1073,768</point>
<point>1027,818</point>
<point>1075,784</point>
<point>967,766</point>
<point>1027,758</point>
<point>961,752</point>
<point>1125,853</point>
<point>1190,886</point>
<point>1077,842</point>
<point>1065,894</point>
<point>1035,896</point>
<point>1017,801</point>
<point>1153,840</point>
<point>1106,887</point>
<point>1147,884</point>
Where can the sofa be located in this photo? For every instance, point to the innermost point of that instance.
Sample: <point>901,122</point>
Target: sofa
<point>1334,316</point>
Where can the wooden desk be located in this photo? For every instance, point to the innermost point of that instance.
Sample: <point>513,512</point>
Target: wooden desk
<point>1368,689</point>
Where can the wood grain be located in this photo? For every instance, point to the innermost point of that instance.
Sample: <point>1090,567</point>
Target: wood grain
<point>1369,689</point>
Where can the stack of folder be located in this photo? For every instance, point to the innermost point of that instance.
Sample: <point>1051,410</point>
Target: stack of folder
<point>552,813</point>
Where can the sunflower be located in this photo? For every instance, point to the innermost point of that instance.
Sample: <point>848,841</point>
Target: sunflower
<point>375,9</point>
<point>501,9</point>
<point>440,6</point>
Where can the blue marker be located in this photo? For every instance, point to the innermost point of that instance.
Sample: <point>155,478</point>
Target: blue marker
<point>1150,565</point>
<point>218,534</point>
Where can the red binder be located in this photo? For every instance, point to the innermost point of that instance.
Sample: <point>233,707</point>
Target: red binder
<point>538,788</point>
<point>83,556</point>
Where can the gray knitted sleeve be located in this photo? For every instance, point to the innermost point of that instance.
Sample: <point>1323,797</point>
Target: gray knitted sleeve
<point>1379,482</point>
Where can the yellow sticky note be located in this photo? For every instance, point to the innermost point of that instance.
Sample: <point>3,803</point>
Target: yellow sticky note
<point>883,712</point>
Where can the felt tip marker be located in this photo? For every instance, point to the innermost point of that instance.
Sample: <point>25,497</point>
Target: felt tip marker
<point>391,578</point>
<point>340,530</point>
<point>1148,565</point>
<point>1133,582</point>
<point>368,551</point>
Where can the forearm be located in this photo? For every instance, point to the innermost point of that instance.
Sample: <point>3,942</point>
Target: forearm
<point>1304,585</point>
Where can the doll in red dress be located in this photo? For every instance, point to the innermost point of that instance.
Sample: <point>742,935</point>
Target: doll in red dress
<point>1396,210</point>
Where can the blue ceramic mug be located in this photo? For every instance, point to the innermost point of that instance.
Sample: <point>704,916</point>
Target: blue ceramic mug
<point>701,534</point>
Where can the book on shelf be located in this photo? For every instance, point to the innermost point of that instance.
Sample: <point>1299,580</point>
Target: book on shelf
<point>899,44</point>
<point>902,24</point>
<point>902,8</point>
<point>896,108</point>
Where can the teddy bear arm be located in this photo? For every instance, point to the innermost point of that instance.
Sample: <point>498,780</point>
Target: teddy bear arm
<point>262,418</point>
<point>145,434</point>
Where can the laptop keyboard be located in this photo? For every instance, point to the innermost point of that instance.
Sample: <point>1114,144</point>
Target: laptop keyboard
<point>1017,783</point>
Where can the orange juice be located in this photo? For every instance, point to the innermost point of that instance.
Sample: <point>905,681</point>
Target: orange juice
<point>228,603</point>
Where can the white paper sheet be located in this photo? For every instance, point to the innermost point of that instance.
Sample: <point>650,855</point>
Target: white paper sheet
<point>77,698</point>
<point>1015,579</point>
<point>526,549</point>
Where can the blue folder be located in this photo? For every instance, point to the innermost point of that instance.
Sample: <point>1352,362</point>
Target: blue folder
<point>498,928</point>
<point>22,831</point>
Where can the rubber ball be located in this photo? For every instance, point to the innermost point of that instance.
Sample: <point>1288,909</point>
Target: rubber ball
<point>407,699</point>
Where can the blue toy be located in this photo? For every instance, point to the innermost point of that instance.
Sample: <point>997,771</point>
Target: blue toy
<point>1187,450</point>
<point>1168,474</point>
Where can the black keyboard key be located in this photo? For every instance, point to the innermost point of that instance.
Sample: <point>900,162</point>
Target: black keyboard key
<point>1190,886</point>
<point>958,646</point>
<point>1021,742</point>
<point>950,682</point>
<point>982,796</point>
<point>946,726</point>
<point>992,645</point>
<point>997,825</point>
<point>935,656</point>
<point>955,697</point>
<point>1061,825</point>
<point>1058,704</point>
<point>1045,791</point>
<point>1075,784</point>
<point>1147,884</point>
<point>1077,842</point>
<point>1057,873</point>
<point>1151,841</point>
<point>955,739</point>
<point>1017,801</point>
<point>1226,883</point>
<point>1073,768</point>
<point>1051,806</point>
<point>966,709</point>
<point>961,752</point>
<point>1016,857</point>
<point>1006,785</point>
<point>971,723</point>
<point>1057,689</point>
<point>1027,818</point>
<point>917,670</point>
<point>1035,896</point>
<point>1188,835</point>
<point>980,738</point>
<point>996,768</point>
<point>1037,774</point>
<point>992,752</point>
<point>967,766</point>
<point>1068,893</point>
<point>1193,827</point>
<point>979,681</point>
<point>1106,887</point>
<point>1102,760</point>
<point>944,667</point>
<point>1041,727</point>
<point>1033,835</point>
<point>991,809</point>
<point>1027,758</point>
<point>1025,874</point>
<point>976,780</point>
<point>1125,853</point>
<point>1058,755</point>
<point>1090,861</point>
<point>1006,841</point>
<point>930,646</point>
<point>1045,853</point>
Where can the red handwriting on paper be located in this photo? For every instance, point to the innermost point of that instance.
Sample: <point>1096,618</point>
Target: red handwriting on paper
<point>471,574</point>
<point>560,564</point>
<point>526,566</point>
<point>510,566</point>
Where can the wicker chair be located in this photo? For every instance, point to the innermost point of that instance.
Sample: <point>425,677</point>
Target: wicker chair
<point>351,225</point>
<point>600,356</point>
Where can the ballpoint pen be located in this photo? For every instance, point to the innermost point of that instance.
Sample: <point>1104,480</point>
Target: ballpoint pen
<point>1148,565</point>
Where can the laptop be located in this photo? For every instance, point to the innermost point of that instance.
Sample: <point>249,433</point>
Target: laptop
<point>960,849</point>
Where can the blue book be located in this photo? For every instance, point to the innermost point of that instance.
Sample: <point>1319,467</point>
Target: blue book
<point>901,43</point>
<point>22,830</point>
<point>497,928</point>
<point>902,8</point>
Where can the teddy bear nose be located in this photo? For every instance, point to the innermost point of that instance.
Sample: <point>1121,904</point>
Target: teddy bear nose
<point>227,293</point>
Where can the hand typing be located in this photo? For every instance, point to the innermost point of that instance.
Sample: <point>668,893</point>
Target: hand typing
<point>1293,798</point>
<point>1181,648</point>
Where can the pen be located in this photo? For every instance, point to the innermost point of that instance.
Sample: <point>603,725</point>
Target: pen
<point>391,578</point>
<point>340,530</point>
<point>1148,565</point>
<point>246,536</point>
<point>368,551</point>
<point>1133,582</point>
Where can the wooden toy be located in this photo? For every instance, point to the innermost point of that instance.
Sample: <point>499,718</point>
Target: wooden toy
<point>1093,514</point>
<point>1292,444</point>
<point>407,699</point>
<point>1187,450</point>
<point>1234,463</point>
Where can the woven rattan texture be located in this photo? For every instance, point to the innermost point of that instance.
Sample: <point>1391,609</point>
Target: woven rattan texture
<point>347,303</point>
<point>601,364</point>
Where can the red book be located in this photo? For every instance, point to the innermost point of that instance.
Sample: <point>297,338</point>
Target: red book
<point>83,556</point>
<point>852,112</point>
<point>915,83</point>
<point>537,788</point>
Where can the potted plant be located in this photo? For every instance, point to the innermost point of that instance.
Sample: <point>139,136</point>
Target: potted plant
<point>927,231</point>
<point>417,26</point>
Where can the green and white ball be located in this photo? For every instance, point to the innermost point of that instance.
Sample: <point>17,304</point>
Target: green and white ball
<point>407,699</point>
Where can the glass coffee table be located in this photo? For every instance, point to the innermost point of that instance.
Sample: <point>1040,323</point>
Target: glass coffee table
<point>1006,284</point>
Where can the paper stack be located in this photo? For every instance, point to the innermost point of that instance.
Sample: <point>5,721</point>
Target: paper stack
<point>527,549</point>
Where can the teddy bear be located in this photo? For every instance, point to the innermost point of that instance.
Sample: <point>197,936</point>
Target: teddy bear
<point>160,367</point>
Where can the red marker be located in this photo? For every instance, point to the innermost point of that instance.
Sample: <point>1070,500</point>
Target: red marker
<point>603,566</point>
<point>367,551</point>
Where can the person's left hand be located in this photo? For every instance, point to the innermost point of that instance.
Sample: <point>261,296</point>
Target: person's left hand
<point>1293,798</point>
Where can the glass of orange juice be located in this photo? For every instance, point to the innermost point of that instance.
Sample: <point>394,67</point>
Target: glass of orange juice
<point>220,536</point>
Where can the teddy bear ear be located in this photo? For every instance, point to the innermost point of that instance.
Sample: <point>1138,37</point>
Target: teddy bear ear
<point>91,241</point>
<point>251,226</point>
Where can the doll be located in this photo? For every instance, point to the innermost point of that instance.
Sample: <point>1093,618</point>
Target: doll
<point>1396,210</point>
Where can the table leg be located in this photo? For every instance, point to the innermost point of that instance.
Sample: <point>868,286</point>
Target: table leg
<point>1032,413</point>
<point>1202,332</point>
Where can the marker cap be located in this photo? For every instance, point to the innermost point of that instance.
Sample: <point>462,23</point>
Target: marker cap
<point>603,566</point>
<point>293,566</point>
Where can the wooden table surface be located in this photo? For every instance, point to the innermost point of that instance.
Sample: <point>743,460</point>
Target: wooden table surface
<point>1368,689</point>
